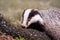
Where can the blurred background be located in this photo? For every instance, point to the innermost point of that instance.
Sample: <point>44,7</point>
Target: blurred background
<point>12,9</point>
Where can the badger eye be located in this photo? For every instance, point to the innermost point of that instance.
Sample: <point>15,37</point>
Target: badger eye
<point>29,19</point>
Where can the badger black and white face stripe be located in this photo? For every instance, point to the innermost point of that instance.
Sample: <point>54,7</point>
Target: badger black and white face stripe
<point>30,16</point>
<point>25,17</point>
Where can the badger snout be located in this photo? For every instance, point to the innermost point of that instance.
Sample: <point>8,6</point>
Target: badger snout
<point>23,26</point>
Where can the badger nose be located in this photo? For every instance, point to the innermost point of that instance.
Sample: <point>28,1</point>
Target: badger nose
<point>23,26</point>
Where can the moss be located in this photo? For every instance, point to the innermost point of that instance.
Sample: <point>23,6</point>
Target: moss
<point>20,38</point>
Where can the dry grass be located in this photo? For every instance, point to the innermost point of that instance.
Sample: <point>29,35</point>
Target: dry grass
<point>12,9</point>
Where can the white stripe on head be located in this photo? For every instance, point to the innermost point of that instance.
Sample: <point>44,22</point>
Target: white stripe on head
<point>26,14</point>
<point>35,19</point>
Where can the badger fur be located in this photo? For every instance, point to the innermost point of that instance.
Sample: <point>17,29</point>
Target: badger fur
<point>30,16</point>
<point>47,21</point>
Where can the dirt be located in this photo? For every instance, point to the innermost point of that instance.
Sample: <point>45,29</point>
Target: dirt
<point>3,36</point>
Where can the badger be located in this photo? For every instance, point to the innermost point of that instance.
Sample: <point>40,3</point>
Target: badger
<point>47,21</point>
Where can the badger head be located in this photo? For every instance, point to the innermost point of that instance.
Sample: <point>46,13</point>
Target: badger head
<point>30,16</point>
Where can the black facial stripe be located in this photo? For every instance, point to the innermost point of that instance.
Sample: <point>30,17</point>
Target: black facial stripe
<point>32,14</point>
<point>23,15</point>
